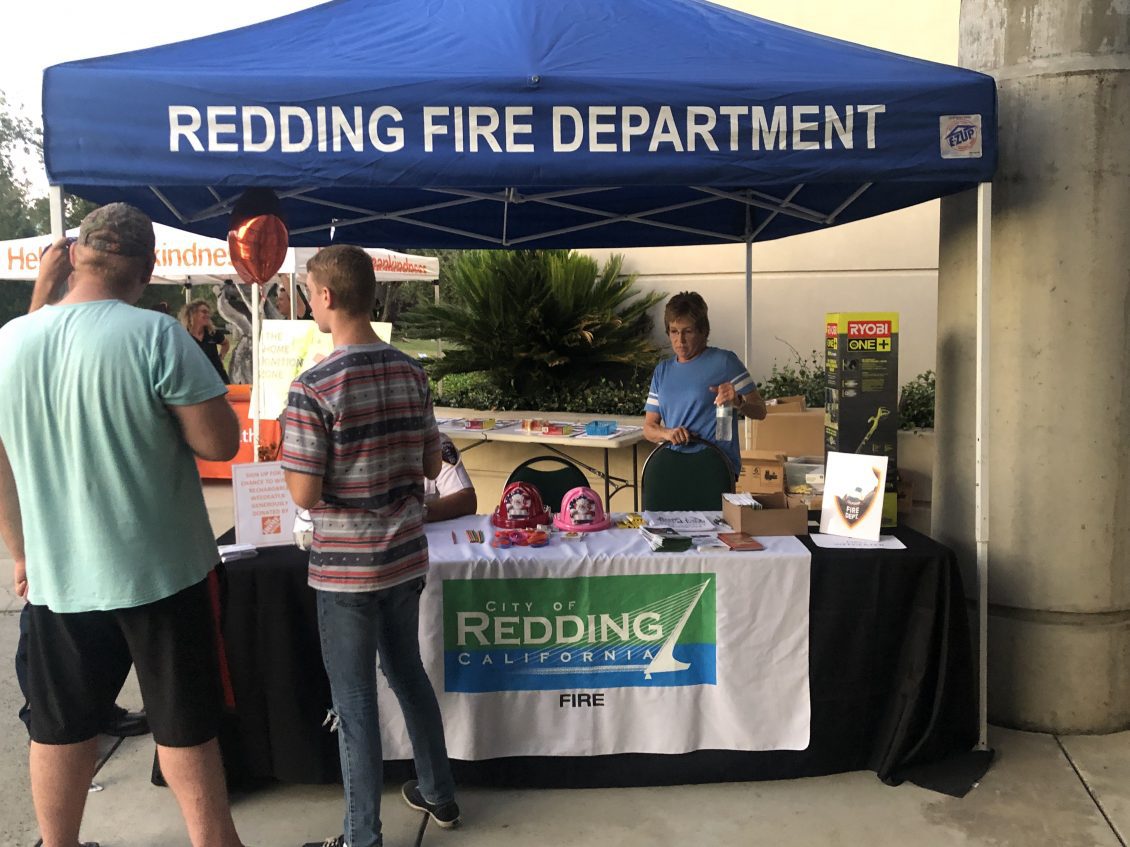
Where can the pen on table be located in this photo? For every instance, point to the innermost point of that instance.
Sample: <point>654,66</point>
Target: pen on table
<point>453,541</point>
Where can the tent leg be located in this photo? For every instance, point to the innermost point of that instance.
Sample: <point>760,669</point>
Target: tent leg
<point>55,203</point>
<point>255,371</point>
<point>747,424</point>
<point>439,341</point>
<point>981,500</point>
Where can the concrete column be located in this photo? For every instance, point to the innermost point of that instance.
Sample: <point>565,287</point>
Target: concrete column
<point>1059,505</point>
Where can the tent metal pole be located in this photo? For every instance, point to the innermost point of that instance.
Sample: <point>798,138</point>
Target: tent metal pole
<point>55,203</point>
<point>255,372</point>
<point>981,499</point>
<point>747,423</point>
<point>439,341</point>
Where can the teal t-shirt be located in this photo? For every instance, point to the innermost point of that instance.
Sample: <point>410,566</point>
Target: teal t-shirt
<point>113,513</point>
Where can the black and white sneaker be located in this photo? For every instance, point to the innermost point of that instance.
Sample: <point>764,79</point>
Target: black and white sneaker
<point>445,815</point>
<point>336,841</point>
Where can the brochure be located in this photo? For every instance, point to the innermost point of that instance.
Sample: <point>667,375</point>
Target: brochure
<point>853,495</point>
<point>740,541</point>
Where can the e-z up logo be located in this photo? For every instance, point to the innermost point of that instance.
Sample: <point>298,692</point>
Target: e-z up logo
<point>961,136</point>
<point>654,630</point>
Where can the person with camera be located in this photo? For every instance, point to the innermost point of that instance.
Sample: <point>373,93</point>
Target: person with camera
<point>196,317</point>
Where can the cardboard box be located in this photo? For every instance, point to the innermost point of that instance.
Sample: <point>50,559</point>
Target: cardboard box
<point>791,433</point>
<point>861,362</point>
<point>777,518</point>
<point>793,403</point>
<point>762,472</point>
<point>905,489</point>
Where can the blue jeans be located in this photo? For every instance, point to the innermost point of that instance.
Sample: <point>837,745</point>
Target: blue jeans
<point>355,629</point>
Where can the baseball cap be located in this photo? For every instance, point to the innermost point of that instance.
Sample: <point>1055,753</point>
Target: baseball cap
<point>118,228</point>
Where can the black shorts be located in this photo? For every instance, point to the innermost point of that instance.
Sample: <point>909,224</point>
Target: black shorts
<point>78,661</point>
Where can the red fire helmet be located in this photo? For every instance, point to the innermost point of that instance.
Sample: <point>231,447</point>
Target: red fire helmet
<point>520,508</point>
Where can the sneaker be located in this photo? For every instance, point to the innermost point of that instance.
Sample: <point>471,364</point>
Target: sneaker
<point>444,814</point>
<point>336,841</point>
<point>125,724</point>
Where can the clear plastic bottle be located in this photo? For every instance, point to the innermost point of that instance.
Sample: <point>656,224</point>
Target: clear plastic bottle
<point>723,422</point>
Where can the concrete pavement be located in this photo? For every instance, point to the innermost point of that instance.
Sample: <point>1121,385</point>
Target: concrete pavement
<point>1042,790</point>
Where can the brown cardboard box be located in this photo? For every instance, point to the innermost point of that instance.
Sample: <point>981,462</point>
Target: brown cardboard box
<point>777,518</point>
<point>762,472</point>
<point>905,492</point>
<point>793,403</point>
<point>791,433</point>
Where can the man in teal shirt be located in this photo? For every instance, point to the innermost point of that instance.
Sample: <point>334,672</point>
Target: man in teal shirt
<point>101,508</point>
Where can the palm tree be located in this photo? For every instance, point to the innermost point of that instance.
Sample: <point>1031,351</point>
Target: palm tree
<point>538,317</point>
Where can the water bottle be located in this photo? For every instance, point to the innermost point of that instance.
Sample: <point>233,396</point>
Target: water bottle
<point>723,422</point>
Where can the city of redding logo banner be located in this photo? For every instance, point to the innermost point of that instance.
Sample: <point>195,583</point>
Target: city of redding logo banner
<point>586,632</point>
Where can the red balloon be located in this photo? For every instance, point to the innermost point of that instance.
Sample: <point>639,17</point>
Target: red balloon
<point>258,247</point>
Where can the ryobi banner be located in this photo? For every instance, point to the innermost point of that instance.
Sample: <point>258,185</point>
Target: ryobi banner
<point>654,630</point>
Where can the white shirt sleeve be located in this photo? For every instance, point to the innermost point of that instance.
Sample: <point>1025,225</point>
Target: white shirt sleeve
<point>452,477</point>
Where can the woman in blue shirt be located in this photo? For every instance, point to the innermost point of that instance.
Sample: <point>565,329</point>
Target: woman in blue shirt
<point>686,388</point>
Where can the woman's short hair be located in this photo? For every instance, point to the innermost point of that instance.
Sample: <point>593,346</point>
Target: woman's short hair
<point>687,304</point>
<point>347,271</point>
<point>189,309</point>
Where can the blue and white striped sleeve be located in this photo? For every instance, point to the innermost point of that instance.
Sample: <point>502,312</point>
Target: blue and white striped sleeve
<point>652,402</point>
<point>743,383</point>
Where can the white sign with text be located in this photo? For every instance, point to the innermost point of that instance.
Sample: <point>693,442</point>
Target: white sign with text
<point>264,512</point>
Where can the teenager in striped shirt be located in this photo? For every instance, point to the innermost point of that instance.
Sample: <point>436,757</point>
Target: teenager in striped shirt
<point>360,437</point>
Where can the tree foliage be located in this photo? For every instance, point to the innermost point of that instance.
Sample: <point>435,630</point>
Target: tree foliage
<point>21,214</point>
<point>19,139</point>
<point>535,318</point>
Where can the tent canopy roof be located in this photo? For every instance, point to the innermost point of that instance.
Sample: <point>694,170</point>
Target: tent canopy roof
<point>449,123</point>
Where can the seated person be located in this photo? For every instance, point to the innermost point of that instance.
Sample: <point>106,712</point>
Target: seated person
<point>686,387</point>
<point>451,494</point>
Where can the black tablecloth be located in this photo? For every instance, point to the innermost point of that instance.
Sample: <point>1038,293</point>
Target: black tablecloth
<point>891,680</point>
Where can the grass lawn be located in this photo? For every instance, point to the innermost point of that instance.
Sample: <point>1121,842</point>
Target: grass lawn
<point>415,346</point>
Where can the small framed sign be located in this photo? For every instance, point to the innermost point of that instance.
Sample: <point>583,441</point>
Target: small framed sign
<point>264,512</point>
<point>853,495</point>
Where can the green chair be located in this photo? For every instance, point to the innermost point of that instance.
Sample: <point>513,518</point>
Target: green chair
<point>673,480</point>
<point>553,482</point>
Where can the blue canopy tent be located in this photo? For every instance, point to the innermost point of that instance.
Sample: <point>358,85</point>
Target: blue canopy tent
<point>511,123</point>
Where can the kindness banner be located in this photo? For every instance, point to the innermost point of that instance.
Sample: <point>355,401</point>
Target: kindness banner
<point>600,646</point>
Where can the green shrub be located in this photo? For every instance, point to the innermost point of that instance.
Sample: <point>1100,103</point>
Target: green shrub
<point>916,403</point>
<point>538,321</point>
<point>805,377</point>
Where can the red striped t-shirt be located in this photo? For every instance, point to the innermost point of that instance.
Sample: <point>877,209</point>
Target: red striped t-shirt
<point>362,419</point>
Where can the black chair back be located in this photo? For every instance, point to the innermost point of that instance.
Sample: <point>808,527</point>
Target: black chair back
<point>552,482</point>
<point>673,480</point>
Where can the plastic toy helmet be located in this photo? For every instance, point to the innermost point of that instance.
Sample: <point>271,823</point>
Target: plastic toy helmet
<point>581,511</point>
<point>520,508</point>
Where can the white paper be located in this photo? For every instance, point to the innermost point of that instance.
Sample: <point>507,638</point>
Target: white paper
<point>684,522</point>
<point>839,542</point>
<point>232,552</point>
<point>264,512</point>
<point>853,495</point>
